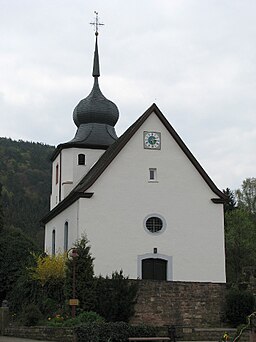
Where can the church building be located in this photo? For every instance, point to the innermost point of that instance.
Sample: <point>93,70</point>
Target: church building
<point>142,200</point>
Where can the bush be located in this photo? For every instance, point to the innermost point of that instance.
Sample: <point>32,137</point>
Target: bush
<point>239,304</point>
<point>142,331</point>
<point>115,297</point>
<point>89,317</point>
<point>31,315</point>
<point>48,306</point>
<point>57,320</point>
<point>49,271</point>
<point>113,331</point>
<point>84,317</point>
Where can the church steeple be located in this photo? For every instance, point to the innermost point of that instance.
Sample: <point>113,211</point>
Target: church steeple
<point>95,116</point>
<point>96,64</point>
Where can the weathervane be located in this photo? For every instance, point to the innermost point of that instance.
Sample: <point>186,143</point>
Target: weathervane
<point>96,23</point>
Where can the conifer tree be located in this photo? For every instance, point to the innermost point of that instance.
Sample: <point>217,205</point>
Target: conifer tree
<point>16,255</point>
<point>230,204</point>
<point>83,264</point>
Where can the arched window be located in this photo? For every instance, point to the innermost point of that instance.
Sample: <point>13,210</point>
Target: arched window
<point>66,236</point>
<point>57,174</point>
<point>81,159</point>
<point>53,241</point>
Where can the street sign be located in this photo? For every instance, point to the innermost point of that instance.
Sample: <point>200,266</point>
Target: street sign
<point>73,302</point>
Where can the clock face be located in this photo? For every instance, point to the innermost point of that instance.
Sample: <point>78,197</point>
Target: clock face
<point>152,140</point>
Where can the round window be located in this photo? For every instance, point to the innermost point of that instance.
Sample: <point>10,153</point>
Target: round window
<point>154,224</point>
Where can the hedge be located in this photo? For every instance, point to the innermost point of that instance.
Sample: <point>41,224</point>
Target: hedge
<point>112,331</point>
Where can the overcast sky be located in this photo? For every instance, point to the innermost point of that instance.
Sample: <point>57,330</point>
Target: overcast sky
<point>196,59</point>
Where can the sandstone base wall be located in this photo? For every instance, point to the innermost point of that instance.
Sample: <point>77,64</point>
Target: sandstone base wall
<point>166,303</point>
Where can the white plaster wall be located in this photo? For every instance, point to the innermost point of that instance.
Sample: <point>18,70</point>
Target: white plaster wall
<point>123,197</point>
<point>67,171</point>
<point>70,173</point>
<point>70,215</point>
<point>54,199</point>
<point>91,156</point>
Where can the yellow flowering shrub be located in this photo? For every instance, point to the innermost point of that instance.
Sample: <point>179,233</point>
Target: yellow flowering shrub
<point>49,267</point>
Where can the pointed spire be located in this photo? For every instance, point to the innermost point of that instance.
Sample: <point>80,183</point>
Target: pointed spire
<point>96,65</point>
<point>95,116</point>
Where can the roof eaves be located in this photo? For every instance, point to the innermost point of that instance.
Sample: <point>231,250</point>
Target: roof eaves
<point>107,157</point>
<point>66,202</point>
<point>219,200</point>
<point>61,147</point>
<point>112,152</point>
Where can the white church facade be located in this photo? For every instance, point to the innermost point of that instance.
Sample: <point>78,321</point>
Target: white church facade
<point>142,200</point>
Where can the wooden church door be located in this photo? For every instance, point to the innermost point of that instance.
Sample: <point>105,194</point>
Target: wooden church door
<point>155,269</point>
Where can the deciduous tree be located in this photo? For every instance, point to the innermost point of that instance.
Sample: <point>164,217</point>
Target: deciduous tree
<point>246,196</point>
<point>240,233</point>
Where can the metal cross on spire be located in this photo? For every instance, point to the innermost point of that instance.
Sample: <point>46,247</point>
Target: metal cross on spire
<point>96,23</point>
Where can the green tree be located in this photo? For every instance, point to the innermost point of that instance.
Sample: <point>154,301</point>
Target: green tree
<point>238,305</point>
<point>25,173</point>
<point>16,254</point>
<point>83,275</point>
<point>25,292</point>
<point>115,297</point>
<point>240,233</point>
<point>246,196</point>
<point>230,204</point>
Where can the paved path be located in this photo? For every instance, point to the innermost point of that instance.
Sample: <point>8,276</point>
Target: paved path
<point>18,339</point>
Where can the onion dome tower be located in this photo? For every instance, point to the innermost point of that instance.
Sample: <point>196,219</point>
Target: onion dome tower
<point>95,116</point>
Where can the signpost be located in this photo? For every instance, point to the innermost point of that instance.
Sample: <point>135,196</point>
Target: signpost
<point>74,302</point>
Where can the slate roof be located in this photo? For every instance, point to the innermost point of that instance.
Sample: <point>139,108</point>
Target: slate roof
<point>94,173</point>
<point>95,117</point>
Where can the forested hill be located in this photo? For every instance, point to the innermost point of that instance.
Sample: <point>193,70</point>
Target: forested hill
<point>25,175</point>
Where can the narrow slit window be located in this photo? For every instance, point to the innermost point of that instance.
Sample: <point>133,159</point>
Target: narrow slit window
<point>57,173</point>
<point>53,242</point>
<point>65,236</point>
